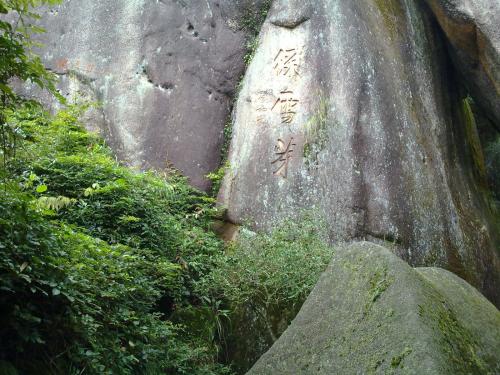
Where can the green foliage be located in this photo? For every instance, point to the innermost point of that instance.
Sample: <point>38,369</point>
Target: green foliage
<point>276,268</point>
<point>262,280</point>
<point>254,16</point>
<point>97,257</point>
<point>16,58</point>
<point>17,61</point>
<point>217,177</point>
<point>54,203</point>
<point>76,164</point>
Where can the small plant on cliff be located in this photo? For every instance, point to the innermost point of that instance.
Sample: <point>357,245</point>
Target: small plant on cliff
<point>217,177</point>
<point>251,45</point>
<point>254,15</point>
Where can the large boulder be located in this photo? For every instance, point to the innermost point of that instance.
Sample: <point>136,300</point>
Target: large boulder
<point>164,71</point>
<point>471,28</point>
<point>353,108</point>
<point>371,313</point>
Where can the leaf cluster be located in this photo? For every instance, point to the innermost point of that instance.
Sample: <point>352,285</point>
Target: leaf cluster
<point>19,63</point>
<point>16,57</point>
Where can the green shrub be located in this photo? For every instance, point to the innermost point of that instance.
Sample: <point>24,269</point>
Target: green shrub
<point>97,258</point>
<point>114,203</point>
<point>262,281</point>
<point>217,177</point>
<point>19,63</point>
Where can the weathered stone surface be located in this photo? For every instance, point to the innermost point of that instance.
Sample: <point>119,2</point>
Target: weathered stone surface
<point>381,141</point>
<point>164,72</point>
<point>371,313</point>
<point>472,30</point>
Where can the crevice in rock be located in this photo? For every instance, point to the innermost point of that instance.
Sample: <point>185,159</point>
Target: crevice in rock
<point>358,141</point>
<point>393,238</point>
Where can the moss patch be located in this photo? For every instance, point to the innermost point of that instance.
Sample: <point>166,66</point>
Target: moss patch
<point>456,341</point>
<point>379,282</point>
<point>473,140</point>
<point>392,13</point>
<point>397,361</point>
<point>316,131</point>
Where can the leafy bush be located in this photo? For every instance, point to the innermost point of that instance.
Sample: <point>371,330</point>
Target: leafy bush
<point>85,300</point>
<point>114,203</point>
<point>262,281</point>
<point>97,257</point>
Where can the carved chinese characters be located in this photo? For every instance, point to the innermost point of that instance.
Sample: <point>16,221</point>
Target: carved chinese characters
<point>286,66</point>
<point>283,151</point>
<point>262,106</point>
<point>287,106</point>
<point>286,62</point>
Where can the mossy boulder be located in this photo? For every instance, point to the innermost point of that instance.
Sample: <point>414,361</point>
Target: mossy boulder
<point>371,313</point>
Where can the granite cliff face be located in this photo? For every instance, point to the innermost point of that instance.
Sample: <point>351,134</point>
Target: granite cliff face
<point>354,109</point>
<point>164,71</point>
